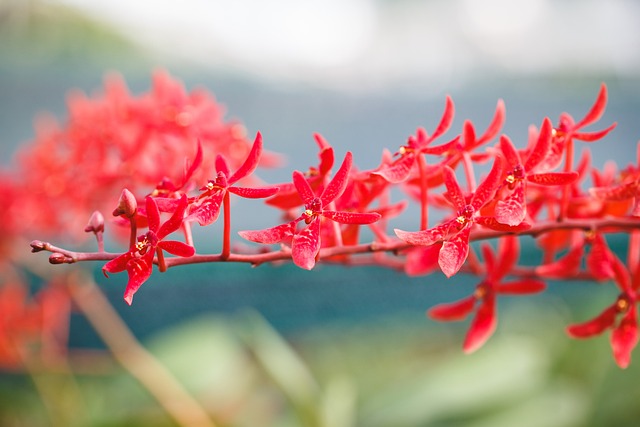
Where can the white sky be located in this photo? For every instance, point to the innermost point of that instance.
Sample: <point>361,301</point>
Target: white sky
<point>369,44</point>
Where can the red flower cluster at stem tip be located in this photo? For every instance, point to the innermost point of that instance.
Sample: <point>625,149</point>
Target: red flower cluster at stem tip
<point>527,192</point>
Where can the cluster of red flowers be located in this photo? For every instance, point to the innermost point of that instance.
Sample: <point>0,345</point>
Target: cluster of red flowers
<point>534,190</point>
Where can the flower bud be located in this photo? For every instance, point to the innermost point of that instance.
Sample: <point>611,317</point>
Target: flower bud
<point>127,204</point>
<point>37,246</point>
<point>96,223</point>
<point>58,258</point>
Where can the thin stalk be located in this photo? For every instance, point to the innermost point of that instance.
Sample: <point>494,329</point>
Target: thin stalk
<point>133,235</point>
<point>424,208</point>
<point>633,253</point>
<point>162,265</point>
<point>568,166</point>
<point>226,238</point>
<point>468,171</point>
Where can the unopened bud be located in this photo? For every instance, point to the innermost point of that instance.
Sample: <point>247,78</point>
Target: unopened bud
<point>127,204</point>
<point>96,223</point>
<point>58,258</point>
<point>37,246</point>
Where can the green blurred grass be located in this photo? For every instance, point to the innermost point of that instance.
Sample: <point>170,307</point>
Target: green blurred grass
<point>387,372</point>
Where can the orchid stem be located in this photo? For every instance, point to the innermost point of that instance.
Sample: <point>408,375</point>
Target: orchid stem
<point>468,171</point>
<point>162,265</point>
<point>226,239</point>
<point>424,209</point>
<point>134,232</point>
<point>568,165</point>
<point>100,240</point>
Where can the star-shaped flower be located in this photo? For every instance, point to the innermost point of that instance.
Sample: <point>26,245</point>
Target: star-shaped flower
<point>485,321</point>
<point>621,317</point>
<point>455,232</point>
<point>305,242</point>
<point>207,209</point>
<point>512,209</point>
<point>138,261</point>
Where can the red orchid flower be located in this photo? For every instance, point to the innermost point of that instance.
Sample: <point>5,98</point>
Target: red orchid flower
<point>599,260</point>
<point>512,209</point>
<point>568,130</point>
<point>624,334</point>
<point>287,197</point>
<point>628,189</point>
<point>454,151</point>
<point>138,261</point>
<point>399,170</point>
<point>305,243</point>
<point>207,209</point>
<point>166,188</point>
<point>455,232</point>
<point>484,323</point>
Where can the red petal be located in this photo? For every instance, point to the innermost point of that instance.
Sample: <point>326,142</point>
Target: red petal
<point>489,259</point>
<point>521,287</point>
<point>453,311</point>
<point>445,121</point>
<point>351,217</point>
<point>139,270</point>
<point>176,219</point>
<point>596,110</point>
<point>482,326</point>
<point>565,267</point>
<point>254,193</point>
<point>399,170</point>
<point>508,255</point>
<point>492,223</point>
<point>326,161</point>
<point>553,178</point>
<point>593,136</point>
<point>454,252</point>
<point>487,188</point>
<point>509,151</point>
<point>177,248</point>
<point>454,192</point>
<point>624,338</point>
<point>270,235</point>
<point>495,125</point>
<point>600,259</point>
<point>339,182</point>
<point>623,191</point>
<point>595,326</point>
<point>443,149</point>
<point>426,237</point>
<point>197,161</point>
<point>306,244</point>
<point>153,214</point>
<point>251,162</point>
<point>303,187</point>
<point>222,166</point>
<point>422,260</point>
<point>541,148</point>
<point>468,135</point>
<point>512,210</point>
<point>117,264</point>
<point>208,210</point>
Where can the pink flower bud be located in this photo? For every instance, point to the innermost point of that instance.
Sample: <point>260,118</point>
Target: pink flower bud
<point>58,258</point>
<point>127,204</point>
<point>96,223</point>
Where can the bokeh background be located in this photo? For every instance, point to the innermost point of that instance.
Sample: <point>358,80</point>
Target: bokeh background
<point>281,346</point>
